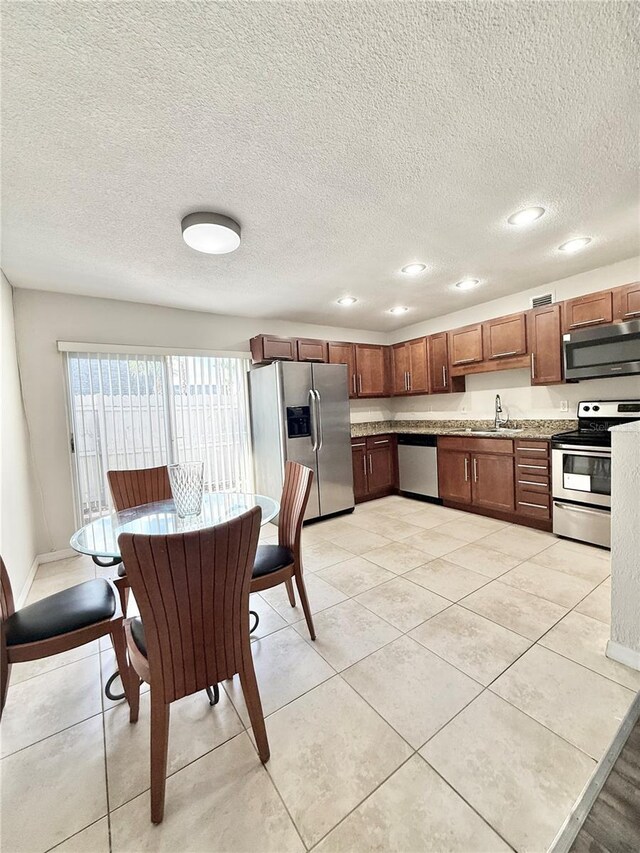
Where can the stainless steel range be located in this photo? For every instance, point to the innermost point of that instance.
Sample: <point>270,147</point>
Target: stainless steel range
<point>581,471</point>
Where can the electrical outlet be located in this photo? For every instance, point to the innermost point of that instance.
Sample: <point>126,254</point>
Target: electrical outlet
<point>564,406</point>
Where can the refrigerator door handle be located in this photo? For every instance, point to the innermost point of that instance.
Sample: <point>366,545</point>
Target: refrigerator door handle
<point>319,419</point>
<point>314,425</point>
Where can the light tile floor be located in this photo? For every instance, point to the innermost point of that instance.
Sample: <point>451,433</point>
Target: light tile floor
<point>457,699</point>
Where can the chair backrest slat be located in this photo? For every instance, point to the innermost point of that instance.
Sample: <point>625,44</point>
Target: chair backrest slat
<point>7,606</point>
<point>295,496</point>
<point>193,593</point>
<point>139,486</point>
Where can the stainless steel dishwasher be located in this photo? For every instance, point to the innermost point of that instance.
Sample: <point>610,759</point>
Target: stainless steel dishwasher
<point>418,464</point>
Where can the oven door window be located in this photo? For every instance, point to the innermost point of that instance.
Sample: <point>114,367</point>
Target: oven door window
<point>587,473</point>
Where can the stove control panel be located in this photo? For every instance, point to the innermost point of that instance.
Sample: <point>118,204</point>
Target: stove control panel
<point>610,409</point>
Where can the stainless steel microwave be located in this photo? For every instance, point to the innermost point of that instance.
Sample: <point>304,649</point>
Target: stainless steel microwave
<point>612,350</point>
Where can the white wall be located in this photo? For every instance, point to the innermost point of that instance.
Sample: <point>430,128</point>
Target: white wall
<point>44,318</point>
<point>21,532</point>
<point>514,386</point>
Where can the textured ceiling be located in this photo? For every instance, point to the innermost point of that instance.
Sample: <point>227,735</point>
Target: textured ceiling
<point>348,139</point>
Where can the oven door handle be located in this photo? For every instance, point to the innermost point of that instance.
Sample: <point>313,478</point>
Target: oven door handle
<point>575,508</point>
<point>573,450</point>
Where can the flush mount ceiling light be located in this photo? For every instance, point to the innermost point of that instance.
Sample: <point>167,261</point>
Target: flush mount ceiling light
<point>468,283</point>
<point>346,300</point>
<point>526,216</point>
<point>211,233</point>
<point>399,309</point>
<point>576,245</point>
<point>413,269</point>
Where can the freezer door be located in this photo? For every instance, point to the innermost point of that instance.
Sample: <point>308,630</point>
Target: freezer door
<point>335,472</point>
<point>300,423</point>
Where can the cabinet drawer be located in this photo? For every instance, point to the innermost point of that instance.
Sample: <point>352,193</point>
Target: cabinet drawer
<point>475,445</point>
<point>531,447</point>
<point>533,504</point>
<point>534,482</point>
<point>374,441</point>
<point>526,466</point>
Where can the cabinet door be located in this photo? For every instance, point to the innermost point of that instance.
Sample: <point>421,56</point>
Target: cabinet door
<point>590,310</point>
<point>504,337</point>
<point>360,475</point>
<point>418,366</point>
<point>371,369</point>
<point>380,468</point>
<point>400,367</point>
<point>493,481</point>
<point>545,343</point>
<point>311,350</point>
<point>626,301</point>
<point>345,354</point>
<point>439,363</point>
<point>454,476</point>
<point>272,348</point>
<point>465,345</point>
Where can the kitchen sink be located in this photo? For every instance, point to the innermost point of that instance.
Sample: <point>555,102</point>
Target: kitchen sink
<point>493,431</point>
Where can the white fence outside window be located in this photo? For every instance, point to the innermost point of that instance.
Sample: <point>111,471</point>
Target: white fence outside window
<point>139,411</point>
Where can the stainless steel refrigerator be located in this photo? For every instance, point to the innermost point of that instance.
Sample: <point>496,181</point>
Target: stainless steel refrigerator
<point>300,411</point>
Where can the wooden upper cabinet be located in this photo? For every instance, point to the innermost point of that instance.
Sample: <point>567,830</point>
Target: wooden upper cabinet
<point>626,301</point>
<point>371,370</point>
<point>591,310</point>
<point>418,366</point>
<point>504,337</point>
<point>343,353</point>
<point>545,344</point>
<point>465,345</point>
<point>272,348</point>
<point>438,363</point>
<point>400,367</point>
<point>308,349</point>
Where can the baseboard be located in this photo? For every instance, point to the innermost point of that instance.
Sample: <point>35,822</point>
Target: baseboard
<point>623,654</point>
<point>26,586</point>
<point>53,556</point>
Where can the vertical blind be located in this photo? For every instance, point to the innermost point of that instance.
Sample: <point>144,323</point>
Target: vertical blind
<point>139,411</point>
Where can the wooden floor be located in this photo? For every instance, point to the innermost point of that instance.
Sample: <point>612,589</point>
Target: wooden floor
<point>613,824</point>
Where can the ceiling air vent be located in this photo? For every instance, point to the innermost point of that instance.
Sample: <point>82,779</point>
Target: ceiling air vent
<point>543,299</point>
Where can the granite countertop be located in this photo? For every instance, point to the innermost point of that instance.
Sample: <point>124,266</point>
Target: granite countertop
<point>542,429</point>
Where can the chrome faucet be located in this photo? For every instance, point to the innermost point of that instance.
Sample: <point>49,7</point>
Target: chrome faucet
<point>498,421</point>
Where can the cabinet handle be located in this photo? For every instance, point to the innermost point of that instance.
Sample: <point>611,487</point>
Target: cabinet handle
<point>466,470</point>
<point>540,467</point>
<point>631,314</point>
<point>533,365</point>
<point>525,450</point>
<point>353,382</point>
<point>364,464</point>
<point>370,465</point>
<point>503,354</point>
<point>360,383</point>
<point>362,444</point>
<point>587,322</point>
<point>406,381</point>
<point>531,483</point>
<point>539,506</point>
<point>475,469</point>
<point>464,360</point>
<point>409,383</point>
<point>382,441</point>
<point>444,376</point>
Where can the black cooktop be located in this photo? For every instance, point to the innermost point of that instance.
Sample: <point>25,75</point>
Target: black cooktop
<point>595,438</point>
<point>595,419</point>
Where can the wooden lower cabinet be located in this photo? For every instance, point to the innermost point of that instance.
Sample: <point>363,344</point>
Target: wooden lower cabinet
<point>497,477</point>
<point>493,481</point>
<point>375,466</point>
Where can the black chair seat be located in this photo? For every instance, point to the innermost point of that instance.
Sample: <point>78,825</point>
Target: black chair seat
<point>121,570</point>
<point>270,558</point>
<point>65,611</point>
<point>137,632</point>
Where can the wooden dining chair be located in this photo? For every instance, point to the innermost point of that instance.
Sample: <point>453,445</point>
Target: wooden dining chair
<point>193,593</point>
<point>57,623</point>
<point>282,563</point>
<point>130,488</point>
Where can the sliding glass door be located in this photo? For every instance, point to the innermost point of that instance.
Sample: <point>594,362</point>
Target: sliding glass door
<point>139,411</point>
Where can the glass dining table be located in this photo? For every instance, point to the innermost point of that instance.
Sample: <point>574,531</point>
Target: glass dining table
<point>99,538</point>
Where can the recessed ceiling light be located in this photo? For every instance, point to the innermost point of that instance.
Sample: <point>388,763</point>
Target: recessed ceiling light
<point>413,269</point>
<point>524,217</point>
<point>399,309</point>
<point>211,233</point>
<point>346,300</point>
<point>576,245</point>
<point>468,283</point>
